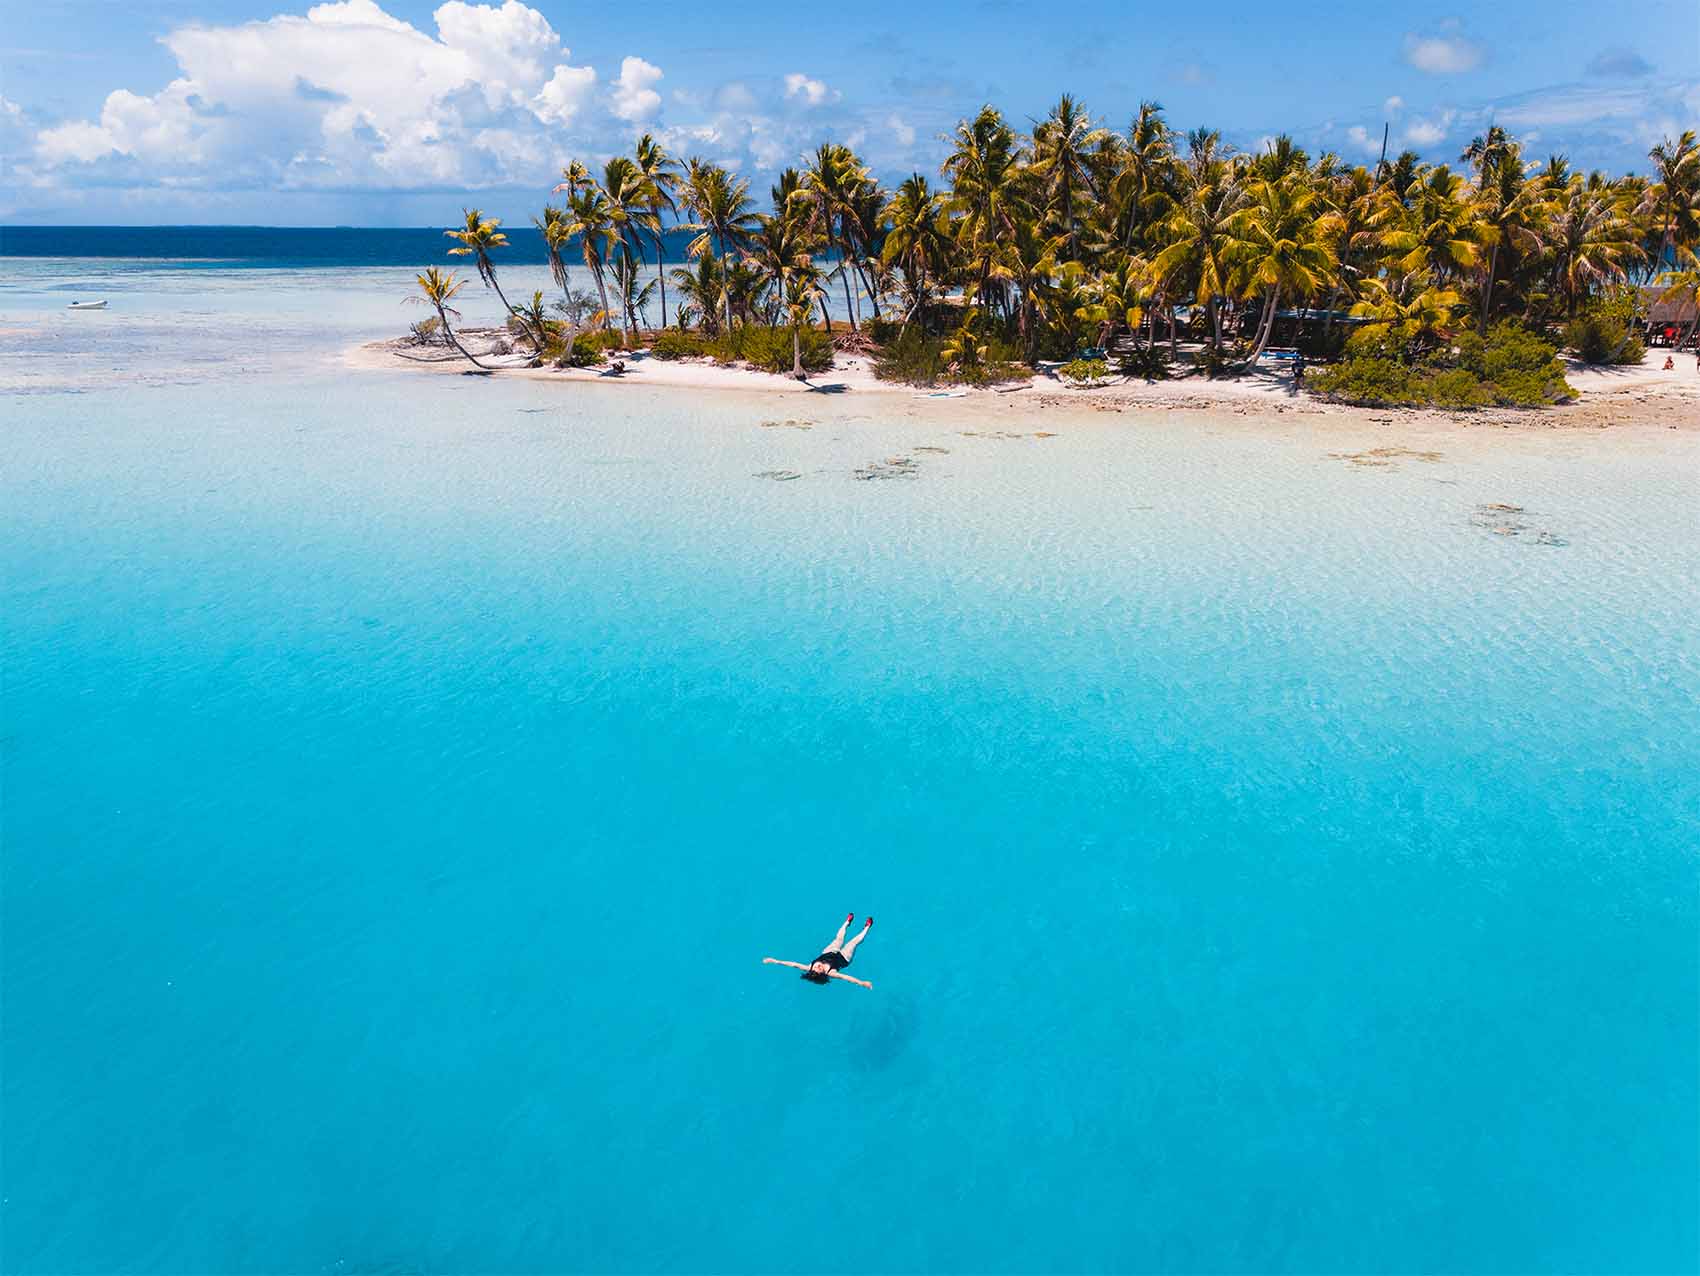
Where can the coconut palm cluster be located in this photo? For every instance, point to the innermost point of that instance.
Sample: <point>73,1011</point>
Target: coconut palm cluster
<point>1160,245</point>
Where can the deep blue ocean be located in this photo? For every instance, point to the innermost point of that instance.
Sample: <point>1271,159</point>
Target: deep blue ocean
<point>1282,861</point>
<point>275,247</point>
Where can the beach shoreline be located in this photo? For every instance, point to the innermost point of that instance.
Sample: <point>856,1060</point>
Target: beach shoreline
<point>1609,398</point>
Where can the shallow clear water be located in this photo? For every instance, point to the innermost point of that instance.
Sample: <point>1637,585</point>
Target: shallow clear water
<point>1276,868</point>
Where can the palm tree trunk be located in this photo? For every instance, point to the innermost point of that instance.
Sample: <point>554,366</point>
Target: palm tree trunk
<point>661,274</point>
<point>1268,326</point>
<point>535,339</point>
<point>595,264</point>
<point>449,332</point>
<point>844,274</point>
<point>726,281</point>
<point>1487,288</point>
<point>796,351</point>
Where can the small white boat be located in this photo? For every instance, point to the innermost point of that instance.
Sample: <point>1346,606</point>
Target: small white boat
<point>86,305</point>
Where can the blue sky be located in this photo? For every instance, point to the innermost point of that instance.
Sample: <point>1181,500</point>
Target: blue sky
<point>390,111</point>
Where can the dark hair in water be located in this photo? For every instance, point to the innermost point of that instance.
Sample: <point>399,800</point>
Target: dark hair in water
<point>813,978</point>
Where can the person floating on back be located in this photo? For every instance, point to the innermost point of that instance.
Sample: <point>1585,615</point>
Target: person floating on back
<point>831,963</point>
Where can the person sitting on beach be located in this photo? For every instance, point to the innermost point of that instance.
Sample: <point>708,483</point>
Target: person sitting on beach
<point>1670,363</point>
<point>832,961</point>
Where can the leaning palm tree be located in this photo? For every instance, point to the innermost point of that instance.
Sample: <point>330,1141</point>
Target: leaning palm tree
<point>436,289</point>
<point>629,201</point>
<point>477,239</point>
<point>661,179</point>
<point>556,228</point>
<point>593,226</point>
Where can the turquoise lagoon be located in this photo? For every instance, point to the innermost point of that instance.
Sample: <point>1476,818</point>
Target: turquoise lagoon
<point>1281,864</point>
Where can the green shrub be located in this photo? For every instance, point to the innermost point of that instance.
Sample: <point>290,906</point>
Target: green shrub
<point>600,339</point>
<point>1598,338</point>
<point>916,359</point>
<point>1511,367</point>
<point>586,352</point>
<point>1082,371</point>
<point>769,349</point>
<point>1367,379</point>
<point>1455,388</point>
<point>675,343</point>
<point>883,330</point>
<point>1523,367</point>
<point>1149,362</point>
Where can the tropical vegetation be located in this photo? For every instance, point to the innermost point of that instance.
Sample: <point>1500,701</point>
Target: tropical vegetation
<point>1160,251</point>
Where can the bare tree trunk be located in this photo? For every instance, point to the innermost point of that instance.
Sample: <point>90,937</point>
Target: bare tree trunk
<point>443,318</point>
<point>1268,327</point>
<point>661,273</point>
<point>1487,288</point>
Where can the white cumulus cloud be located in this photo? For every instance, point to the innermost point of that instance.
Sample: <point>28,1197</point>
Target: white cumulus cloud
<point>633,97</point>
<point>799,87</point>
<point>351,96</point>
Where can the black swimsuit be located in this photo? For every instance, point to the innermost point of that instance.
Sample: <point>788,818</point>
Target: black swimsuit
<point>838,961</point>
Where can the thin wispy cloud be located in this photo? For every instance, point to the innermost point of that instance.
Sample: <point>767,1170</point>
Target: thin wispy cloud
<point>1446,51</point>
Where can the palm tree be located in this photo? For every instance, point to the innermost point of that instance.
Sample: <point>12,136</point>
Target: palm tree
<point>628,282</point>
<point>919,242</point>
<point>436,289</point>
<point>1589,242</point>
<point>703,290</point>
<point>831,181</point>
<point>802,289</point>
<point>1490,152</point>
<point>1440,231</point>
<point>1119,298</point>
<point>1141,186</point>
<point>477,239</point>
<point>628,198</point>
<point>1422,315</point>
<point>1029,259</point>
<point>556,229</point>
<point>661,179</point>
<point>593,226</point>
<point>1350,230</point>
<point>779,250</point>
<point>720,208</point>
<point>1512,212</point>
<point>1276,248</point>
<point>1674,196</point>
<point>573,176</point>
<point>983,168</point>
<point>1062,146</point>
<point>1196,234</point>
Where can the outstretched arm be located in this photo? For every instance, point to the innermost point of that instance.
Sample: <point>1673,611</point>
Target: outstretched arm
<point>849,979</point>
<point>774,961</point>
